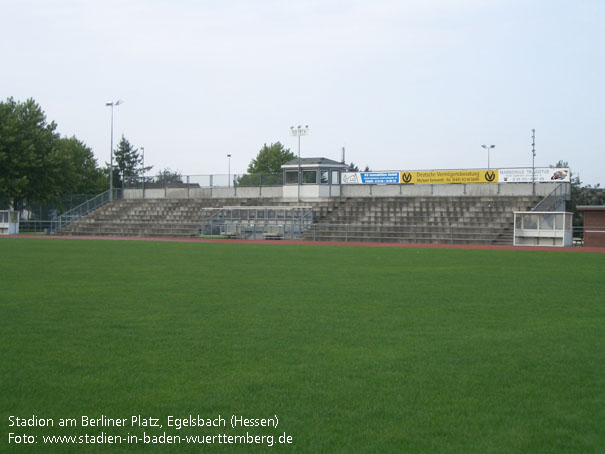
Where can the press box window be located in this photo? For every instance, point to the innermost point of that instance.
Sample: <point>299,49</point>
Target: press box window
<point>309,177</point>
<point>291,177</point>
<point>324,177</point>
<point>335,177</point>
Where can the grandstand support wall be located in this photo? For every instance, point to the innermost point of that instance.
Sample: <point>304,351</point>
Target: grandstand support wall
<point>365,190</point>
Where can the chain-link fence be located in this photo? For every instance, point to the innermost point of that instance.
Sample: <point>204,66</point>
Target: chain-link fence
<point>38,211</point>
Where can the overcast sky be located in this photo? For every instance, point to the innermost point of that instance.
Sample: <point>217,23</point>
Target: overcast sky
<point>407,84</point>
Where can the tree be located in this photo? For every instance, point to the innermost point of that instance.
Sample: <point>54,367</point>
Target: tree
<point>167,176</point>
<point>581,195</point>
<point>128,162</point>
<point>270,159</point>
<point>81,173</point>
<point>353,168</point>
<point>39,168</point>
<point>30,162</point>
<point>265,169</point>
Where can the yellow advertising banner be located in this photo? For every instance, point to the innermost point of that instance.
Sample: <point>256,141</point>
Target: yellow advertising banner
<point>449,176</point>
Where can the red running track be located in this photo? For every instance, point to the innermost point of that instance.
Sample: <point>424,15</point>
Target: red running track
<point>318,243</point>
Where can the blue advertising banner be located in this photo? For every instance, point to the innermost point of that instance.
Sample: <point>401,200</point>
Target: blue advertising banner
<point>380,177</point>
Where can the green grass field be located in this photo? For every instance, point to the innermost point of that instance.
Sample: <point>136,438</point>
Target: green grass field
<point>354,349</point>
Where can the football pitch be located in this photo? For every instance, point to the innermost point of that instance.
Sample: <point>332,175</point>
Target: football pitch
<point>225,347</point>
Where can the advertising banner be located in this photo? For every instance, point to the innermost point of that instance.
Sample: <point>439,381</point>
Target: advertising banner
<point>370,177</point>
<point>516,175</point>
<point>450,176</point>
<point>543,175</point>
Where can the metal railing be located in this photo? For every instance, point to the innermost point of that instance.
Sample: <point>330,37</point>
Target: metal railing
<point>258,222</point>
<point>250,180</point>
<point>35,226</point>
<point>349,233</point>
<point>555,199</point>
<point>34,210</point>
<point>83,209</point>
<point>169,229</point>
<point>446,233</point>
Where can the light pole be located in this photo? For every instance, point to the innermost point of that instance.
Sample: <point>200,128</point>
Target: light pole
<point>143,152</point>
<point>299,131</point>
<point>533,161</point>
<point>112,104</point>
<point>229,171</point>
<point>488,147</point>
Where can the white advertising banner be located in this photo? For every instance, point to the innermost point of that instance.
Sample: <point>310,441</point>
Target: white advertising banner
<point>542,175</point>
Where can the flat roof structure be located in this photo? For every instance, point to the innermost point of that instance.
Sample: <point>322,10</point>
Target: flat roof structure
<point>591,207</point>
<point>313,163</point>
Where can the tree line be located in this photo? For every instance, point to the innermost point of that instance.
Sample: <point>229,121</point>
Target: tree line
<point>37,165</point>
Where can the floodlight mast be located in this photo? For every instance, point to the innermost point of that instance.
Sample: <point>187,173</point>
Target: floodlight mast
<point>111,104</point>
<point>488,147</point>
<point>229,171</point>
<point>143,163</point>
<point>299,131</point>
<point>533,161</point>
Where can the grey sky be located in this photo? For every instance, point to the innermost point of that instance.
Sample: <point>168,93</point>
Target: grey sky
<point>401,84</point>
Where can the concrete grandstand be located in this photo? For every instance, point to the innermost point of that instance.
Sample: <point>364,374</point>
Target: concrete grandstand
<point>320,200</point>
